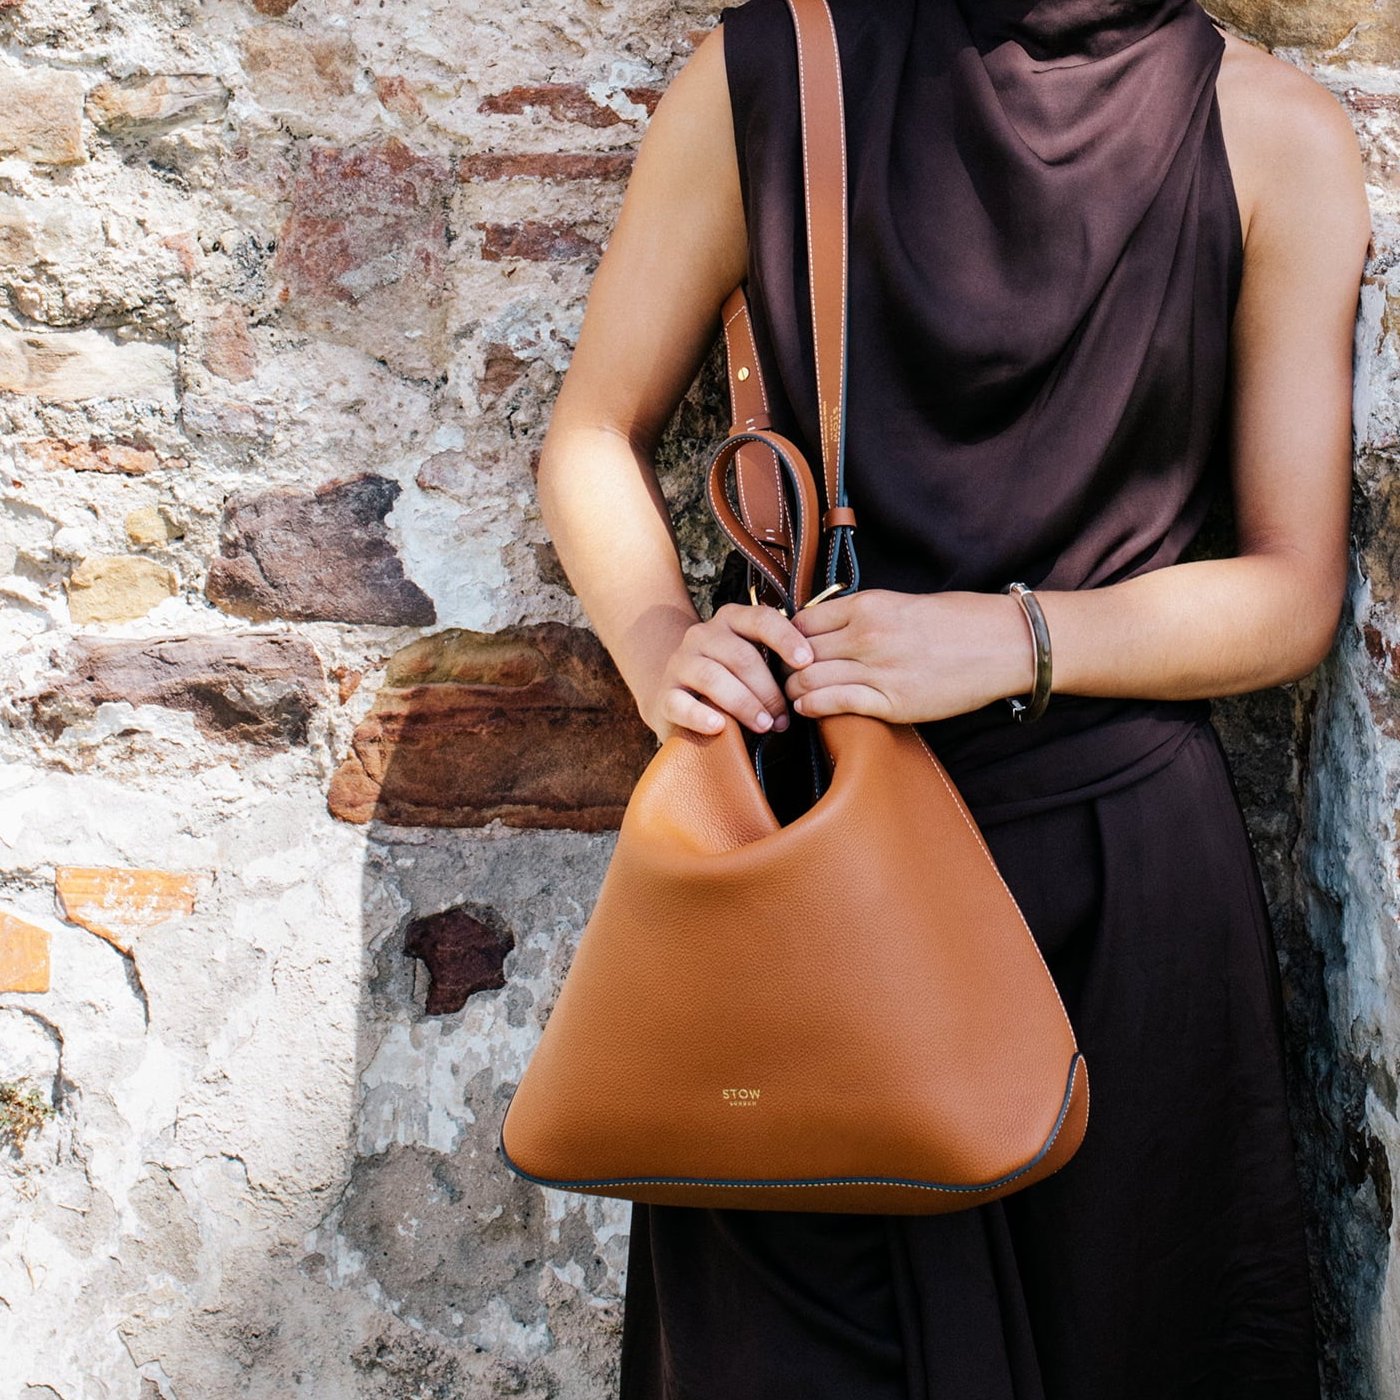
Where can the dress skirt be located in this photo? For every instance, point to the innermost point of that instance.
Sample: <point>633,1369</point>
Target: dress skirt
<point>1165,1261</point>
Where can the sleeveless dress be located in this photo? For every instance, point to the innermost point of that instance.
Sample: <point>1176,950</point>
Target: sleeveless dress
<point>1041,295</point>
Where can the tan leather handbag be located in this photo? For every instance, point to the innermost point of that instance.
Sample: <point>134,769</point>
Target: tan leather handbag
<point>838,1008</point>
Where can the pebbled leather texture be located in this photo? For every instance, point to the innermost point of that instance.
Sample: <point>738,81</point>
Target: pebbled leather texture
<point>840,1011</point>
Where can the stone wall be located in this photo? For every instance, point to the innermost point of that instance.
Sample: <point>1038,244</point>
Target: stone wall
<point>1323,805</point>
<point>295,846</point>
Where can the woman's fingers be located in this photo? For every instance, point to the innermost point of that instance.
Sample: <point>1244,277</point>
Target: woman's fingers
<point>743,660</point>
<point>716,683</point>
<point>720,670</point>
<point>767,625</point>
<point>683,710</point>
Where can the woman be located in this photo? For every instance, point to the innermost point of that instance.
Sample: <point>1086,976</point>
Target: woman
<point>1104,261</point>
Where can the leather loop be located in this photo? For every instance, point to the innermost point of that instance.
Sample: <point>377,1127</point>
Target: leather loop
<point>793,585</point>
<point>839,515</point>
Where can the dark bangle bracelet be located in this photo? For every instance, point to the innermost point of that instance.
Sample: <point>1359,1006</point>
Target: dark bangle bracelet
<point>1033,706</point>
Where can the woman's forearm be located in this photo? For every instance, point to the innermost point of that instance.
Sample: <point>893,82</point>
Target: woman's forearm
<point>612,531</point>
<point>1205,627</point>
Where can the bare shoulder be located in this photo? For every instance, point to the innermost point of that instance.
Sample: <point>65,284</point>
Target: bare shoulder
<point>1293,150</point>
<point>691,132</point>
<point>1280,98</point>
<point>685,184</point>
<point>701,85</point>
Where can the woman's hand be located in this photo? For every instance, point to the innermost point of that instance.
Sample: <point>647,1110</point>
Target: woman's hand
<point>910,657</point>
<point>718,669</point>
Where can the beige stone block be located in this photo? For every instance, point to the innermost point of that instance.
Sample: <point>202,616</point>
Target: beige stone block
<point>53,246</point>
<point>119,903</point>
<point>149,526</point>
<point>24,955</point>
<point>69,366</point>
<point>156,101</point>
<point>41,115</point>
<point>1366,31</point>
<point>117,587</point>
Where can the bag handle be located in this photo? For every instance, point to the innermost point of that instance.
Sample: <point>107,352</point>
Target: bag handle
<point>771,543</point>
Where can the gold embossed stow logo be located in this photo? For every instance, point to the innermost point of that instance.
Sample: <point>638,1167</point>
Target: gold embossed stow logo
<point>741,1098</point>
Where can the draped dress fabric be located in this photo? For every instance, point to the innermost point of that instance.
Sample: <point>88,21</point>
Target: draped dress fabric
<point>1045,256</point>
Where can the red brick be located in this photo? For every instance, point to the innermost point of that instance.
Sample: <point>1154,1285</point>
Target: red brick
<point>565,102</point>
<point>1380,649</point>
<point>536,241</point>
<point>532,725</point>
<point>463,955</point>
<point>1361,101</point>
<point>362,258</point>
<point>347,681</point>
<point>646,97</point>
<point>398,96</point>
<point>228,348</point>
<point>541,165</point>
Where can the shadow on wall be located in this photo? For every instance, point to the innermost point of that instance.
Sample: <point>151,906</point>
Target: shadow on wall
<point>530,732</point>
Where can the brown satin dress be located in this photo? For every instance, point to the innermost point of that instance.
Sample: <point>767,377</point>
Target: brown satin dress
<point>1045,259</point>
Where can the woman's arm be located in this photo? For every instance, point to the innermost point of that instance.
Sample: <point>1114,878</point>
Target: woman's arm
<point>1268,615</point>
<point>678,248</point>
<point>1201,627</point>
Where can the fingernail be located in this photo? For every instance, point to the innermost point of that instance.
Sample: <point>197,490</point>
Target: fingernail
<point>802,655</point>
<point>764,719</point>
<point>780,723</point>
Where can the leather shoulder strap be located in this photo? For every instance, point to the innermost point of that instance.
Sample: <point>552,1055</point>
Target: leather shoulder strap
<point>824,182</point>
<point>824,185</point>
